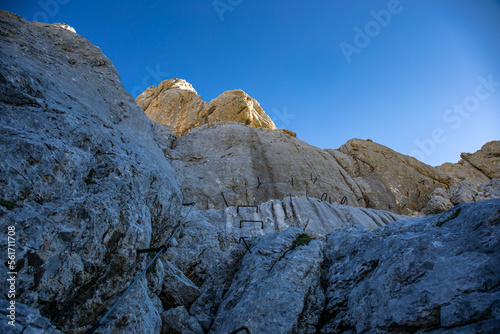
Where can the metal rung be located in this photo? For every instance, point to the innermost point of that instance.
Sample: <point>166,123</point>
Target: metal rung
<point>252,221</point>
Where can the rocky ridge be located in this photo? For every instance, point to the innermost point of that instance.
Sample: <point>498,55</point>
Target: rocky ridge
<point>175,103</point>
<point>87,180</point>
<point>226,151</point>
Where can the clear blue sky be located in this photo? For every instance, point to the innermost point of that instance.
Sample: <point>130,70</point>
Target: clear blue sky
<point>399,88</point>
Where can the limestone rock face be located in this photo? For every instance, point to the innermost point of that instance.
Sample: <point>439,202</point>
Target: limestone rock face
<point>209,248</point>
<point>486,160</point>
<point>238,106</point>
<point>231,156</point>
<point>437,274</point>
<point>277,288</point>
<point>83,178</point>
<point>385,176</point>
<point>174,102</point>
<point>479,167</point>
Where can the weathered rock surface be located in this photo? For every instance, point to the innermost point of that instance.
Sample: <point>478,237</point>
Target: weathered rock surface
<point>136,314</point>
<point>461,192</point>
<point>434,274</point>
<point>486,160</point>
<point>385,176</point>
<point>25,320</point>
<point>277,288</point>
<point>85,182</point>
<point>177,289</point>
<point>234,157</point>
<point>209,250</point>
<point>178,321</point>
<point>477,168</point>
<point>174,102</point>
<point>83,178</point>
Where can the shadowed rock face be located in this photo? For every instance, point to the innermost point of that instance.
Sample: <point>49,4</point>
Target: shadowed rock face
<point>85,182</point>
<point>83,178</point>
<point>437,273</point>
<point>175,103</point>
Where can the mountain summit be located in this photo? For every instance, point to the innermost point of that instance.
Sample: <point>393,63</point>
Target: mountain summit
<point>175,103</point>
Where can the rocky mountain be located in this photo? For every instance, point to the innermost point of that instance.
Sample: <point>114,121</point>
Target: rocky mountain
<point>236,158</point>
<point>175,103</point>
<point>267,234</point>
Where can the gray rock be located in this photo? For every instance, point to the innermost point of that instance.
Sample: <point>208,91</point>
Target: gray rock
<point>490,190</point>
<point>437,204</point>
<point>136,314</point>
<point>232,157</point>
<point>276,290</point>
<point>438,273</point>
<point>24,319</point>
<point>83,177</point>
<point>462,192</point>
<point>209,249</point>
<point>178,321</point>
<point>486,160</point>
<point>177,289</point>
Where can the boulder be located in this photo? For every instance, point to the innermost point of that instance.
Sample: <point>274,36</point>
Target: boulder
<point>277,288</point>
<point>177,289</point>
<point>462,192</point>
<point>437,204</point>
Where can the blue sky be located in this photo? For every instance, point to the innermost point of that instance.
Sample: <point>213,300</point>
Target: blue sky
<point>421,77</point>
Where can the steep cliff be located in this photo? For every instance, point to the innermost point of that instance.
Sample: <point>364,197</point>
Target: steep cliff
<point>83,179</point>
<point>86,179</point>
<point>215,155</point>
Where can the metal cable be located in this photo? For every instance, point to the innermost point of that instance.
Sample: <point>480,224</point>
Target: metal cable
<point>193,204</point>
